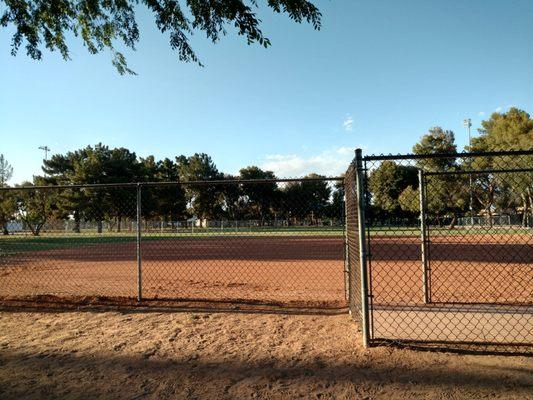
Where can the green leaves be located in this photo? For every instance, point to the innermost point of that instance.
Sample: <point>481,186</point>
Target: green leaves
<point>110,24</point>
<point>387,183</point>
<point>6,171</point>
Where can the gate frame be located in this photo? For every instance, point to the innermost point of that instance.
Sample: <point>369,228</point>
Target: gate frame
<point>365,255</point>
<point>360,181</point>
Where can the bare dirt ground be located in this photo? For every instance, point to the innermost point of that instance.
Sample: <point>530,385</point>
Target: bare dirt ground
<point>472,268</point>
<point>462,269</point>
<point>283,269</point>
<point>54,354</point>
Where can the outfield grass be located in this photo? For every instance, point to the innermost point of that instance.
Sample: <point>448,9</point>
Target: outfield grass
<point>12,244</point>
<point>445,231</point>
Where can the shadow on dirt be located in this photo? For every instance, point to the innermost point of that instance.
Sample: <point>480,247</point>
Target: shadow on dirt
<point>55,304</point>
<point>65,375</point>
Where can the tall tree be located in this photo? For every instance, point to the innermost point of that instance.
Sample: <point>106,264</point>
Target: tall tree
<point>234,203</point>
<point>95,165</point>
<point>205,200</point>
<point>60,170</point>
<point>336,207</point>
<point>6,171</point>
<point>446,193</point>
<point>102,23</point>
<point>121,166</point>
<point>259,197</point>
<point>306,200</point>
<point>36,206</point>
<point>436,141</point>
<point>171,204</point>
<point>511,130</point>
<point>387,182</point>
<point>7,209</point>
<point>7,203</point>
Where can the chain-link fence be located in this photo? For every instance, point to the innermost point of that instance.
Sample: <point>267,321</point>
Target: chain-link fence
<point>438,249</point>
<point>279,241</point>
<point>448,248</point>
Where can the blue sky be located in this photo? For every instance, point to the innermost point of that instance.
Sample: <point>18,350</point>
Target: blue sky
<point>377,76</point>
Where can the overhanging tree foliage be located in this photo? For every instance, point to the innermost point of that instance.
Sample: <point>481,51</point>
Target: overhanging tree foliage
<point>111,24</point>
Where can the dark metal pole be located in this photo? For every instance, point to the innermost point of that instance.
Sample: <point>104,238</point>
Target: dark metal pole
<point>471,201</point>
<point>468,124</point>
<point>360,181</point>
<point>139,259</point>
<point>423,236</point>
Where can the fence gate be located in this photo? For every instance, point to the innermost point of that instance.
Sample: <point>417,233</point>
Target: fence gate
<point>448,249</point>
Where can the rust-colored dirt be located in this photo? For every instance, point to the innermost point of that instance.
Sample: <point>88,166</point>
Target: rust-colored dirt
<point>471,269</point>
<point>462,269</point>
<point>280,269</point>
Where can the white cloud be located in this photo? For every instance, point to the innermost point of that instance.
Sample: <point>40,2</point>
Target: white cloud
<point>481,113</point>
<point>499,109</point>
<point>330,163</point>
<point>347,124</point>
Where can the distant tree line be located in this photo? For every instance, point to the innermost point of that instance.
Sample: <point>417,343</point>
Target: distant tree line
<point>393,185</point>
<point>308,202</point>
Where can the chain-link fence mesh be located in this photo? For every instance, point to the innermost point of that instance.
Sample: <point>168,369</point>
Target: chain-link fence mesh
<point>279,241</point>
<point>68,242</point>
<point>353,279</point>
<point>425,248</point>
<point>450,248</point>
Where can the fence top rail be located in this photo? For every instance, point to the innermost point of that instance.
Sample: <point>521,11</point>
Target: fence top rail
<point>447,155</point>
<point>478,171</point>
<point>175,183</point>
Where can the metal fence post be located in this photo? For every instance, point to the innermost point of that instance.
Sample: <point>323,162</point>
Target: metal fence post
<point>139,260</point>
<point>346,252</point>
<point>361,204</point>
<point>423,235</point>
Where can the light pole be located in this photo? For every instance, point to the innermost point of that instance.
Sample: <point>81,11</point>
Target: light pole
<point>46,149</point>
<point>467,123</point>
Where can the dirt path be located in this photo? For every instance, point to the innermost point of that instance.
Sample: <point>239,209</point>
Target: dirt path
<point>184,355</point>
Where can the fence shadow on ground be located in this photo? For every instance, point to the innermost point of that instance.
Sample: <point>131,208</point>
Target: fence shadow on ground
<point>161,374</point>
<point>458,347</point>
<point>54,304</point>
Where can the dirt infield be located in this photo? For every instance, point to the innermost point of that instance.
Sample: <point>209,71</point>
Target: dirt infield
<point>306,271</point>
<point>464,269</point>
<point>280,269</point>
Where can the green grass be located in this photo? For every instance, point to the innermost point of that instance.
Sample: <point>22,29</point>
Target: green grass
<point>445,231</point>
<point>18,243</point>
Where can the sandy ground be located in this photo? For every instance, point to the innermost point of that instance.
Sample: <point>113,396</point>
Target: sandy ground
<point>231,355</point>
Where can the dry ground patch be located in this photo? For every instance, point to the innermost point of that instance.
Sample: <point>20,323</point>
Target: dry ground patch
<point>231,355</point>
